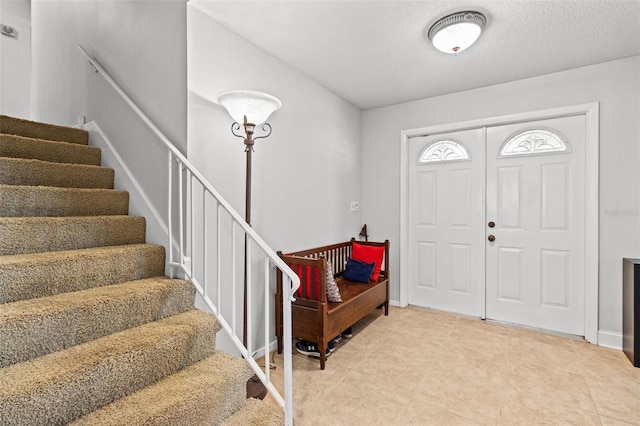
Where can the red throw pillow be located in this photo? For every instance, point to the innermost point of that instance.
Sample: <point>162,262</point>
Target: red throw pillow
<point>369,254</point>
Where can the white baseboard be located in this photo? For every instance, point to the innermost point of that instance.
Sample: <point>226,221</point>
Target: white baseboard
<point>272,347</point>
<point>395,303</point>
<point>610,339</point>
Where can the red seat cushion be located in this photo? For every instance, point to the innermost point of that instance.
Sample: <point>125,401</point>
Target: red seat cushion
<point>369,254</point>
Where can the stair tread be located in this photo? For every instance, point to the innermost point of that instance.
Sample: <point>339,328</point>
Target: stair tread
<point>20,235</point>
<point>191,396</point>
<point>35,129</point>
<point>255,412</point>
<point>29,200</point>
<point>32,275</point>
<point>26,171</point>
<point>14,146</point>
<point>64,320</point>
<point>68,254</point>
<point>80,379</point>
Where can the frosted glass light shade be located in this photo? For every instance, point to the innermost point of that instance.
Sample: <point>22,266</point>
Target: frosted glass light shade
<point>456,32</point>
<point>257,106</point>
<point>456,38</point>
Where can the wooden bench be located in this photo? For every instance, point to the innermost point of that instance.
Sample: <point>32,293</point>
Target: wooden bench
<point>313,317</point>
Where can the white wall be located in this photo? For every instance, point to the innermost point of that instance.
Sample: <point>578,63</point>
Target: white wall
<point>615,85</point>
<point>143,45</point>
<point>15,59</point>
<point>306,173</point>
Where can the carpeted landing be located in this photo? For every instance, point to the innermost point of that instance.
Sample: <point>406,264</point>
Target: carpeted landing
<point>91,331</point>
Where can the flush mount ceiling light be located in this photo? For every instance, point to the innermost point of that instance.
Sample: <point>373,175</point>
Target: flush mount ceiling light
<point>455,32</point>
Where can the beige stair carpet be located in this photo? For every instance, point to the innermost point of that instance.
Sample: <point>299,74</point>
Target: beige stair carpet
<point>23,171</point>
<point>64,320</point>
<point>28,276</point>
<point>254,413</point>
<point>90,329</point>
<point>40,149</point>
<point>203,394</point>
<point>34,129</point>
<point>22,235</point>
<point>18,200</point>
<point>85,377</point>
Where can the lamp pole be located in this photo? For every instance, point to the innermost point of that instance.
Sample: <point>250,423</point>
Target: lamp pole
<point>248,142</point>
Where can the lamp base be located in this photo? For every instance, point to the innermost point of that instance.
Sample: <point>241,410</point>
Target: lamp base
<point>255,388</point>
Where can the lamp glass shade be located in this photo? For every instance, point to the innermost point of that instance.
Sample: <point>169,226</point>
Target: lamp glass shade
<point>257,106</point>
<point>457,37</point>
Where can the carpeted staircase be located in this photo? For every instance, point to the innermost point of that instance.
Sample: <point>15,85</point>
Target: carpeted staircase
<point>91,331</point>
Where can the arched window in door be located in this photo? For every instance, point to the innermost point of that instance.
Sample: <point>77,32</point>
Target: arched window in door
<point>444,150</point>
<point>534,141</point>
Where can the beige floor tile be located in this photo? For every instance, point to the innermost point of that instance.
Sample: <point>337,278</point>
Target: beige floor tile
<point>357,402</point>
<point>618,398</point>
<point>414,321</point>
<point>552,352</point>
<point>472,393</point>
<point>473,337</point>
<point>513,415</point>
<point>608,421</point>
<point>423,413</point>
<point>604,362</point>
<point>424,367</point>
<point>540,388</point>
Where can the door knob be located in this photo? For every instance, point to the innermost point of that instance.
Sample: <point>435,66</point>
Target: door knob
<point>491,238</point>
<point>492,224</point>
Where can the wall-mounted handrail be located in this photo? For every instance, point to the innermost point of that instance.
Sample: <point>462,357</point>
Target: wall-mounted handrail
<point>186,250</point>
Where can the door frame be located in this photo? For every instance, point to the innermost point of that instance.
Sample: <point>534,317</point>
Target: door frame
<point>591,111</point>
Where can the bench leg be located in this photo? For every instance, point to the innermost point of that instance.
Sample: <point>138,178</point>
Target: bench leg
<point>386,308</point>
<point>322,347</point>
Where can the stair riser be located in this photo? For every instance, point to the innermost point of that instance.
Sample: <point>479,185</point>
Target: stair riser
<point>32,129</point>
<point>30,201</point>
<point>15,171</point>
<point>84,378</point>
<point>46,274</point>
<point>59,322</point>
<point>36,235</point>
<point>39,149</point>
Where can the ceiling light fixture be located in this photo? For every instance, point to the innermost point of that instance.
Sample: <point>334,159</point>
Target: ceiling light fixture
<point>455,32</point>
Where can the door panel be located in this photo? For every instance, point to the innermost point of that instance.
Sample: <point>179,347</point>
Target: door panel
<point>510,274</point>
<point>446,222</point>
<point>535,266</point>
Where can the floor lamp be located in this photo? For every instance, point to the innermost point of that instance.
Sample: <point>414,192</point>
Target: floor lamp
<point>252,109</point>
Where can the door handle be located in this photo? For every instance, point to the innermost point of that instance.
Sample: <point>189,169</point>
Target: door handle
<point>491,238</point>
<point>491,224</point>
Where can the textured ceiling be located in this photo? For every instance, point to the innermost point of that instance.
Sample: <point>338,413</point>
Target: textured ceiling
<point>374,53</point>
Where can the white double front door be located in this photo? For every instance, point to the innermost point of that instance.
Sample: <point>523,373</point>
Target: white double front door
<point>497,223</point>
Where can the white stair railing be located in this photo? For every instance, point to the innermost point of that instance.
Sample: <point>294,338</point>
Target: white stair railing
<point>199,212</point>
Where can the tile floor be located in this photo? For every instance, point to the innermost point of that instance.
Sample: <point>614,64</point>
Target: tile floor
<point>423,367</point>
